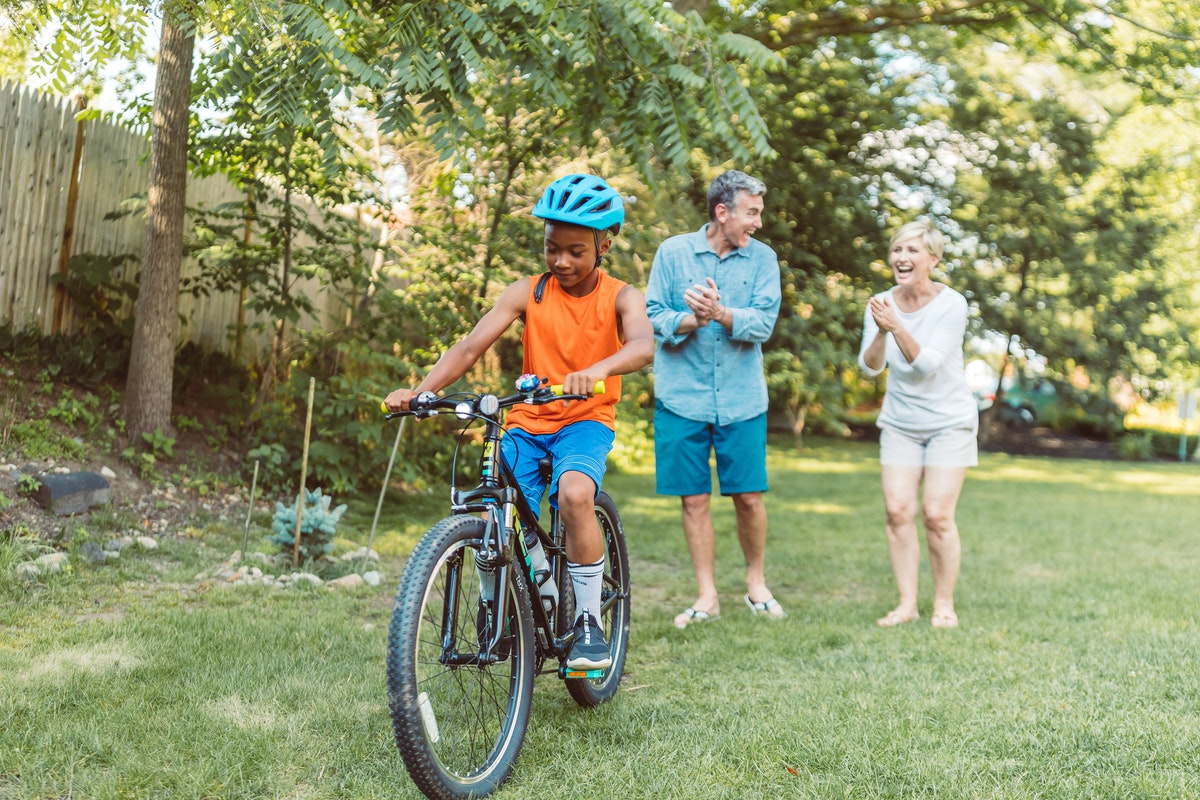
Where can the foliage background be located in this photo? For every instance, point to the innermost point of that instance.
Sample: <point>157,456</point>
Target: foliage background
<point>1050,141</point>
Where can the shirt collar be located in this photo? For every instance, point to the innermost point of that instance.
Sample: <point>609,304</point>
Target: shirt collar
<point>700,245</point>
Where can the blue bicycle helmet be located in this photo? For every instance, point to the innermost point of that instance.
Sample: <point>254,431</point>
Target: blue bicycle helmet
<point>582,200</point>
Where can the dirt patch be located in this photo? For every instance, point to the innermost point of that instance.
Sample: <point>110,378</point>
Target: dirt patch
<point>198,484</point>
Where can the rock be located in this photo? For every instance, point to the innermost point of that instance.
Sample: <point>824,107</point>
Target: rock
<point>93,553</point>
<point>118,544</point>
<point>147,543</point>
<point>72,492</point>
<point>105,472</point>
<point>360,554</point>
<point>28,571</point>
<point>373,577</point>
<point>306,577</point>
<point>52,563</point>
<point>351,581</point>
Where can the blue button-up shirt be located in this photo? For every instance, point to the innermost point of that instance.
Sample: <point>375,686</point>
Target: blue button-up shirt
<point>712,374</point>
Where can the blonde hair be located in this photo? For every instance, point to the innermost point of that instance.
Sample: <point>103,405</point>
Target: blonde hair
<point>931,237</point>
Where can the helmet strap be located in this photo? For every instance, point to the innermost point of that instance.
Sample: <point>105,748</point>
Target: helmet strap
<point>596,239</point>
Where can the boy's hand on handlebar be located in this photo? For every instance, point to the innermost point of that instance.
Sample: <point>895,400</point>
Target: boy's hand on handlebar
<point>584,383</point>
<point>399,400</point>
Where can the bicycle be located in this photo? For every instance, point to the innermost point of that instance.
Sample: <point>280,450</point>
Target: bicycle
<point>460,686</point>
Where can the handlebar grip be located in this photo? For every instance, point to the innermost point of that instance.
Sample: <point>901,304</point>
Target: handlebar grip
<point>557,388</point>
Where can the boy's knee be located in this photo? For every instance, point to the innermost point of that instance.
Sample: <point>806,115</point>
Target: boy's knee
<point>576,494</point>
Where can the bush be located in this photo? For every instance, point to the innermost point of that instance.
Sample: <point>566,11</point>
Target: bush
<point>1148,444</point>
<point>1136,446</point>
<point>318,525</point>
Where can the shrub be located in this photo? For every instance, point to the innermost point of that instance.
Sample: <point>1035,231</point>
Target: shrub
<point>317,526</point>
<point>1136,446</point>
<point>1148,443</point>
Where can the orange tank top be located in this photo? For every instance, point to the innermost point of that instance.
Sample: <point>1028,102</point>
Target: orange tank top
<point>564,334</point>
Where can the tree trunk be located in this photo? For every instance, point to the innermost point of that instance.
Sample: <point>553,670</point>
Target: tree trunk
<point>147,405</point>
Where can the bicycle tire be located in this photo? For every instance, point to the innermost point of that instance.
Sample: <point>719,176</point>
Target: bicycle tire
<point>590,692</point>
<point>459,728</point>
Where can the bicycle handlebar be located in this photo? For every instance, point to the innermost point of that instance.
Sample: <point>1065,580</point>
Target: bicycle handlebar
<point>429,404</point>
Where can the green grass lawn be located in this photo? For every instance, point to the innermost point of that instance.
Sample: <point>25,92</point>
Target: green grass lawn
<point>1073,674</point>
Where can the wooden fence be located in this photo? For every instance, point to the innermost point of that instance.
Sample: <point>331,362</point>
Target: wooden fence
<point>44,220</point>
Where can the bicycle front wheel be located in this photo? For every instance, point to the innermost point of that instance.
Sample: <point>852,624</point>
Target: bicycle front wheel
<point>459,720</point>
<point>614,605</point>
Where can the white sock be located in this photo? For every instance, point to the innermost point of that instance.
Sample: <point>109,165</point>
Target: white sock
<point>588,581</point>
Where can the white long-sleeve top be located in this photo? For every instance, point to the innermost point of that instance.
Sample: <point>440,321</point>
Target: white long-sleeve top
<point>931,393</point>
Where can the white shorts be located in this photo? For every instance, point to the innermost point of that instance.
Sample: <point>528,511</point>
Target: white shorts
<point>948,447</point>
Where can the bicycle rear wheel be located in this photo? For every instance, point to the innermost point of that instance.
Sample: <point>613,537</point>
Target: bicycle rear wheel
<point>459,723</point>
<point>614,617</point>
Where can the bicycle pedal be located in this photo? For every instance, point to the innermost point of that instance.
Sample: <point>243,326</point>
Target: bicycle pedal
<point>563,672</point>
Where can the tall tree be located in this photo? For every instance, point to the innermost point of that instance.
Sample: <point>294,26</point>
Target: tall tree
<point>147,402</point>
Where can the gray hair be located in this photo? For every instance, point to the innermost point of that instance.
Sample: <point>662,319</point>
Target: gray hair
<point>931,237</point>
<point>725,187</point>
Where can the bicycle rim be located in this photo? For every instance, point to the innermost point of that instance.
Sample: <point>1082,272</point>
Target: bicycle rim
<point>458,726</point>
<point>614,618</point>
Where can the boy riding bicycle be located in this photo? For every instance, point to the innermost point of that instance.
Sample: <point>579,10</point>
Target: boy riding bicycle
<point>581,326</point>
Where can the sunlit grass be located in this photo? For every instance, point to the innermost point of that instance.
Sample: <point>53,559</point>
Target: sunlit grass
<point>1072,675</point>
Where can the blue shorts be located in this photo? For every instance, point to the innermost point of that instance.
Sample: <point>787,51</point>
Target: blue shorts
<point>682,448</point>
<point>579,447</point>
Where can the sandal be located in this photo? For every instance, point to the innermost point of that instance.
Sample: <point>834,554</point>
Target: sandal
<point>691,616</point>
<point>897,617</point>
<point>944,619</point>
<point>767,608</point>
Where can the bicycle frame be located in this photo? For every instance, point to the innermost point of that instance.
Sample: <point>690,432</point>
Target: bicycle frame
<point>499,498</point>
<point>459,715</point>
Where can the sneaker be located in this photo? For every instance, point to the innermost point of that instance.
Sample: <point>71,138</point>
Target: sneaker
<point>589,650</point>
<point>483,629</point>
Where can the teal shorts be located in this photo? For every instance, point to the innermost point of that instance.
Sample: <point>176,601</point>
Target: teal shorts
<point>579,447</point>
<point>683,447</point>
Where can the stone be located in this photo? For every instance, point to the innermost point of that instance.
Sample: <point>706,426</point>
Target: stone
<point>351,581</point>
<point>52,563</point>
<point>93,553</point>
<point>28,571</point>
<point>118,544</point>
<point>372,577</point>
<point>72,492</point>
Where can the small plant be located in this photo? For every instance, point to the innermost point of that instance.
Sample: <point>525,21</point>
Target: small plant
<point>47,377</point>
<point>143,463</point>
<point>273,462</point>
<point>317,526</point>
<point>71,411</point>
<point>161,445</point>
<point>184,423</point>
<point>28,484</point>
<point>37,439</point>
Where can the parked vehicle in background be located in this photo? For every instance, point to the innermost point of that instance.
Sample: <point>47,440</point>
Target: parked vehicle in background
<point>1021,404</point>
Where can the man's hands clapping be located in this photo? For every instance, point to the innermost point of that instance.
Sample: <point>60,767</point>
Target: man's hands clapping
<point>704,302</point>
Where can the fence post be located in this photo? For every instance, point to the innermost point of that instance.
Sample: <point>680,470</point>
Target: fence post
<point>64,256</point>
